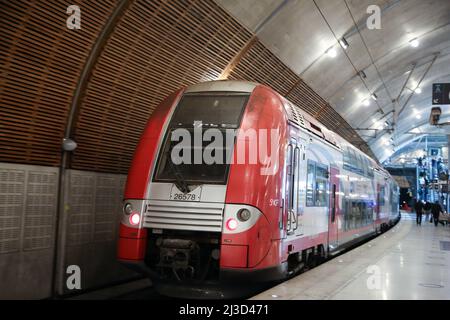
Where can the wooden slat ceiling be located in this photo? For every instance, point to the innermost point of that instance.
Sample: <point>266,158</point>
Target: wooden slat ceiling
<point>157,47</point>
<point>41,61</point>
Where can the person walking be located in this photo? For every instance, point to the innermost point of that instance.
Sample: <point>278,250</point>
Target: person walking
<point>436,209</point>
<point>418,206</point>
<point>427,209</point>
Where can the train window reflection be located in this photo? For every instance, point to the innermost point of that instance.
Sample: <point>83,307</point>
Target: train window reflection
<point>321,187</point>
<point>316,185</point>
<point>223,108</point>
<point>310,185</point>
<point>382,195</point>
<point>218,111</point>
<point>358,213</point>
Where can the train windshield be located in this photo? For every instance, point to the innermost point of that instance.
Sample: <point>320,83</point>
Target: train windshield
<point>199,141</point>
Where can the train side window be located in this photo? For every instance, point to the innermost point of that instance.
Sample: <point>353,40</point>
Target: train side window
<point>310,184</point>
<point>382,195</point>
<point>353,159</point>
<point>347,159</point>
<point>366,167</point>
<point>321,198</point>
<point>296,179</point>
<point>370,170</point>
<point>289,178</point>
<point>360,163</point>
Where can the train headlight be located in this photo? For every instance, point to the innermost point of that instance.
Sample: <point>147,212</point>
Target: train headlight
<point>232,224</point>
<point>243,215</point>
<point>135,218</point>
<point>128,209</point>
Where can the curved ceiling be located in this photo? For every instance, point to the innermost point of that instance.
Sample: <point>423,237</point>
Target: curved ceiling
<point>99,84</point>
<point>302,33</point>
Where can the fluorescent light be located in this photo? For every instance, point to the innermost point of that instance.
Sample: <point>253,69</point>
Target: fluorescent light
<point>366,103</point>
<point>344,44</point>
<point>332,53</point>
<point>418,90</point>
<point>414,43</point>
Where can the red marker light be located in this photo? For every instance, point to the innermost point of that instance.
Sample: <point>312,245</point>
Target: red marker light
<point>135,218</point>
<point>232,224</point>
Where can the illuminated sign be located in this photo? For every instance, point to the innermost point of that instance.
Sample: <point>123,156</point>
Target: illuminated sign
<point>441,93</point>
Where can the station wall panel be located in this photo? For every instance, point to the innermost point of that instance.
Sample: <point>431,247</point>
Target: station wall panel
<point>93,207</point>
<point>88,235</point>
<point>28,203</point>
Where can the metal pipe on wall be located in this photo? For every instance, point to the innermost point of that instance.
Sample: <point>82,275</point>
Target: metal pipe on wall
<point>61,217</point>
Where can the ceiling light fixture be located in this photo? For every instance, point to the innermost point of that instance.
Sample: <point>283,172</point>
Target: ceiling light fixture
<point>386,124</point>
<point>418,90</point>
<point>379,125</point>
<point>366,102</point>
<point>414,43</point>
<point>374,96</point>
<point>344,44</point>
<point>332,53</point>
<point>362,74</point>
<point>418,116</point>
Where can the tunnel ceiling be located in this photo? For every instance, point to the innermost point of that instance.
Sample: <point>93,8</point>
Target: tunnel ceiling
<point>99,85</point>
<point>301,32</point>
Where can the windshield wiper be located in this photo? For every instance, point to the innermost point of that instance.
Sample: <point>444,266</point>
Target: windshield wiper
<point>180,182</point>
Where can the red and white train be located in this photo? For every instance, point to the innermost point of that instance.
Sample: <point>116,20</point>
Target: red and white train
<point>195,227</point>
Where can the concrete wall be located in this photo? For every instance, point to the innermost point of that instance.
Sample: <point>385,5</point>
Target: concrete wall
<point>28,202</point>
<point>87,233</point>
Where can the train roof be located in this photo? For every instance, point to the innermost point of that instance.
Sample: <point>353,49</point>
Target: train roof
<point>295,114</point>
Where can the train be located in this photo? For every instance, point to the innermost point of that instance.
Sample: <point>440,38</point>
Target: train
<point>231,183</point>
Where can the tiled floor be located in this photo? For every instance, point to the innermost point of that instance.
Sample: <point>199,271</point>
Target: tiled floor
<point>407,262</point>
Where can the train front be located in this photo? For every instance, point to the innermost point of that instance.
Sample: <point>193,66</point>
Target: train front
<point>193,212</point>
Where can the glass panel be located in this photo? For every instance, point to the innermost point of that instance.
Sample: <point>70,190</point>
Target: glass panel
<point>347,158</point>
<point>310,185</point>
<point>296,179</point>
<point>353,159</point>
<point>217,109</point>
<point>382,195</point>
<point>216,112</point>
<point>189,171</point>
<point>290,174</point>
<point>321,196</point>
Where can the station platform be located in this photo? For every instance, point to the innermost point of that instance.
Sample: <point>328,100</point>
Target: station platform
<point>408,262</point>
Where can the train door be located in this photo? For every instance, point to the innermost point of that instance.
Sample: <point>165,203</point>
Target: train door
<point>292,187</point>
<point>333,209</point>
